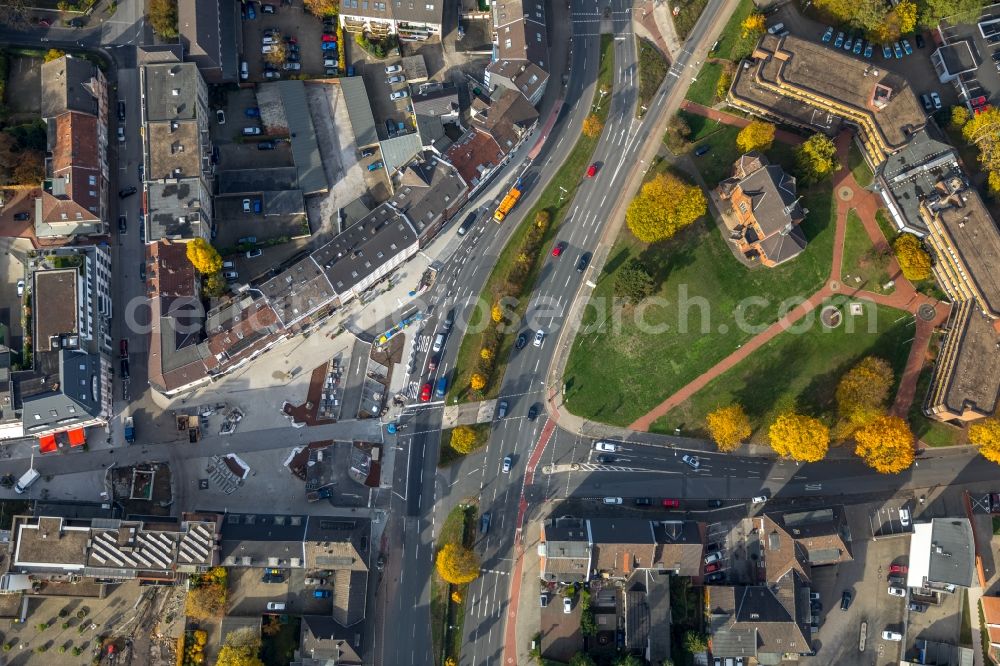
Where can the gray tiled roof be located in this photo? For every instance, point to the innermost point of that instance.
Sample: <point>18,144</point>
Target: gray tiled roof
<point>359,111</point>
<point>912,173</point>
<point>305,149</point>
<point>65,87</point>
<point>952,552</point>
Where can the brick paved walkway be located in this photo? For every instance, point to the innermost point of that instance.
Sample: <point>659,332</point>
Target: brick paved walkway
<point>848,195</point>
<point>736,121</point>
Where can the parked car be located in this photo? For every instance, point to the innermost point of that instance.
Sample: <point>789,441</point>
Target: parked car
<point>484,522</point>
<point>713,557</point>
<point>605,459</point>
<point>671,504</point>
<point>522,339</point>
<point>906,46</point>
<point>268,9</point>
<point>849,42</point>
<point>543,599</point>
<point>828,35</point>
<point>425,392</point>
<point>328,37</point>
<point>247,240</point>
<point>845,599</point>
<point>329,45</point>
<point>246,206</point>
<point>329,62</point>
<point>244,70</point>
<point>892,635</point>
<point>858,46</point>
<point>395,78</point>
<point>776,28</point>
<point>701,150</point>
<point>898,569</point>
<point>814,596</point>
<point>20,288</point>
<point>275,605</point>
<point>121,134</point>
<point>897,591</point>
<point>904,517</point>
<point>501,409</point>
<point>254,253</point>
<point>231,276</point>
<point>251,112</point>
<point>375,166</point>
<point>251,11</point>
<point>508,462</point>
<point>917,608</point>
<point>936,99</point>
<point>399,94</point>
<point>715,566</point>
<point>868,50</point>
<point>925,99</point>
<point>567,605</point>
<point>21,217</point>
<point>715,577</point>
<point>691,461</point>
<point>266,145</point>
<point>121,111</point>
<point>122,225</point>
<point>897,50</point>
<point>612,500</point>
<point>315,581</point>
<point>271,74</point>
<point>839,41</point>
<point>919,39</point>
<point>643,501</point>
<point>759,499</point>
<point>126,191</point>
<point>886,51</point>
<point>392,69</point>
<point>251,131</point>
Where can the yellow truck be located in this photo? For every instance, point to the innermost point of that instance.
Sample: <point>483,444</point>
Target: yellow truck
<point>507,204</point>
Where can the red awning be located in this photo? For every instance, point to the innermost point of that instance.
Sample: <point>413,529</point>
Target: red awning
<point>77,437</point>
<point>47,443</point>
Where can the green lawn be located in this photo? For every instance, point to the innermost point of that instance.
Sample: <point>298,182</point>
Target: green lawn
<point>687,17</point>
<point>556,200</point>
<point>732,46</point>
<point>702,91</point>
<point>652,70</point>
<point>930,432</point>
<point>886,225</point>
<point>861,260</point>
<point>996,525</point>
<point>717,164</point>
<point>449,455</point>
<point>620,370</point>
<point>859,168</point>
<point>701,127</point>
<point>766,382</point>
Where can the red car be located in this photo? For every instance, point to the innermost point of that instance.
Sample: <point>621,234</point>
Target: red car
<point>591,171</point>
<point>329,38</point>
<point>558,249</point>
<point>425,393</point>
<point>671,504</point>
<point>715,566</point>
<point>898,569</point>
<point>123,347</point>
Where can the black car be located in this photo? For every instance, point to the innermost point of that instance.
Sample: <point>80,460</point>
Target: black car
<point>142,271</point>
<point>715,577</point>
<point>643,501</point>
<point>845,600</point>
<point>76,23</point>
<point>715,504</point>
<point>122,227</point>
<point>917,608</point>
<point>816,607</point>
<point>484,523</point>
<point>124,366</point>
<point>126,191</point>
<point>919,39</point>
<point>21,217</point>
<point>711,548</point>
<point>367,152</point>
<point>121,111</point>
<point>449,321</point>
<point>522,340</point>
<point>583,262</point>
<point>606,459</point>
<point>533,412</point>
<point>265,145</point>
<point>702,150</point>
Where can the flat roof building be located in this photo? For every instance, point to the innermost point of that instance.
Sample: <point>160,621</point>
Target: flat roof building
<point>359,110</point>
<point>211,33</point>
<point>410,21</point>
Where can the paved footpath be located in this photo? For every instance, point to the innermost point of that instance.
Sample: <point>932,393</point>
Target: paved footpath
<point>849,196</point>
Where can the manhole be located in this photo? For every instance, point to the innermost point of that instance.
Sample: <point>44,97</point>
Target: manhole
<point>831,316</point>
<point>926,312</point>
<point>845,193</point>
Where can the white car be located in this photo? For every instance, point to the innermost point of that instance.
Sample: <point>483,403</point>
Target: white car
<point>397,78</point>
<point>609,447</point>
<point>267,48</point>
<point>612,500</point>
<point>251,131</point>
<point>392,69</point>
<point>936,101</point>
<point>121,134</point>
<point>539,337</point>
<point>244,70</point>
<point>220,116</point>
<point>295,66</point>
<point>904,517</point>
<point>246,206</point>
<point>20,288</point>
<point>399,94</point>
<point>275,605</point>
<point>713,557</point>
<point>775,29</point>
<point>814,596</point>
<point>507,463</point>
<point>567,605</point>
<point>329,62</point>
<point>759,499</point>
<point>896,591</point>
<point>892,635</point>
<point>691,461</point>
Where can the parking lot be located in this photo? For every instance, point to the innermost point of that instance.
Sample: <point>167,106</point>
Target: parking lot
<point>866,577</point>
<point>249,594</point>
<point>985,80</point>
<point>237,151</point>
<point>892,519</point>
<point>13,253</point>
<point>730,538</point>
<point>290,21</point>
<point>379,91</point>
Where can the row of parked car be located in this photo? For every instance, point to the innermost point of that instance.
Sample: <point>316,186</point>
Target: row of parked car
<point>858,46</point>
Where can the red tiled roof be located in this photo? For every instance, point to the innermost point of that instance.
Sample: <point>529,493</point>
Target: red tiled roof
<point>473,150</point>
<point>170,271</point>
<point>991,610</point>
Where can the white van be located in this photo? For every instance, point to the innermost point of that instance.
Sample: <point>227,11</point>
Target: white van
<point>438,342</point>
<point>26,480</point>
<point>276,605</point>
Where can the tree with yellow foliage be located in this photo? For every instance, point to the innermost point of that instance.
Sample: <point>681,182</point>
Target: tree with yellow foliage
<point>885,444</point>
<point>959,116</point>
<point>486,354</point>
<point>863,391</point>
<point>496,313</point>
<point>986,435</point>
<point>53,54</point>
<point>906,16</point>
<point>456,597</point>
<point>241,648</point>
<point>203,256</point>
<point>799,437</point>
<point>321,8</point>
<point>477,382</point>
<point>758,135</point>
<point>912,257</point>
<point>816,158</point>
<point>542,219</point>
<point>457,565</point>
<point>663,206</point>
<point>728,426</point>
<point>592,126</point>
<point>753,26</point>
<point>463,439</point>
<point>983,130</point>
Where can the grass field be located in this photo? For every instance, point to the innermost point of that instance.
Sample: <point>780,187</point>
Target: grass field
<point>930,432</point>
<point>766,382</point>
<point>732,46</point>
<point>688,16</point>
<point>717,163</point>
<point>702,91</point>
<point>449,455</point>
<point>447,617</point>
<point>652,70</point>
<point>556,200</point>
<point>861,260</point>
<point>859,168</point>
<point>626,361</point>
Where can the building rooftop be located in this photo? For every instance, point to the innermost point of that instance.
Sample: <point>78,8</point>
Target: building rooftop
<point>967,372</point>
<point>912,174</point>
<point>474,154</point>
<point>400,149</point>
<point>507,118</point>
<point>171,92</point>
<point>298,290</point>
<point>245,181</point>
<point>880,100</point>
<point>208,33</point>
<point>953,558</point>
<point>175,209</point>
<point>414,67</point>
<point>568,549</point>
<point>426,190</point>
<point>359,111</point>
<point>305,148</point>
<point>63,390</point>
<point>50,543</point>
<point>520,30</point>
<point>69,84</point>
<point>325,641</point>
<point>54,298</point>
<point>526,76</point>
<point>174,150</point>
<point>957,58</point>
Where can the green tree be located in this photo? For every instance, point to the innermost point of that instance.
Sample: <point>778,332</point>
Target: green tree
<point>633,282</point>
<point>663,206</point>
<point>582,659</point>
<point>241,648</point>
<point>214,285</point>
<point>162,17</point>
<point>816,158</point>
<point>694,642</point>
<point>958,11</point>
<point>321,8</point>
<point>592,126</point>
<point>863,391</point>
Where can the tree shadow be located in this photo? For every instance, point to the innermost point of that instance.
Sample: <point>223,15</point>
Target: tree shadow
<point>662,258</point>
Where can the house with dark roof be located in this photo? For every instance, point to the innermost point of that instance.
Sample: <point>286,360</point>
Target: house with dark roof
<point>323,642</point>
<point>74,199</point>
<point>799,540</point>
<point>766,204</point>
<point>435,107</point>
<point>508,118</point>
<point>429,192</point>
<point>211,34</point>
<point>409,21</point>
<point>646,602</point>
<point>565,550</point>
<point>520,49</point>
